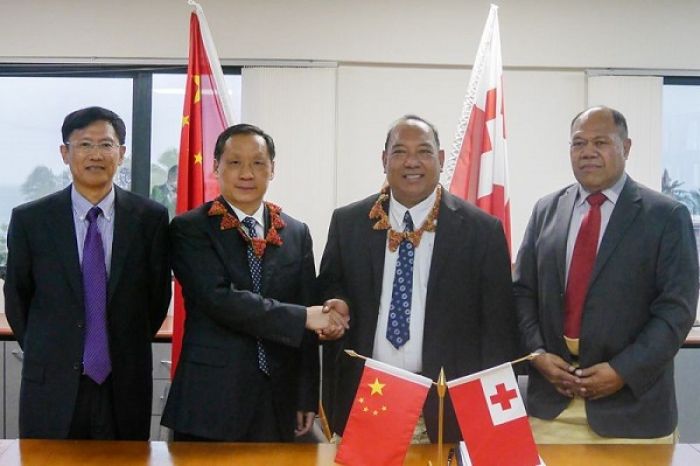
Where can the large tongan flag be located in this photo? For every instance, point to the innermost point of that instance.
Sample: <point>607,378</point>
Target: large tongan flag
<point>476,168</point>
<point>492,418</point>
<point>206,113</point>
<point>383,416</point>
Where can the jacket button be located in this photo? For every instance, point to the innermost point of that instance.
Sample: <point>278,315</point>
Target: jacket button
<point>79,325</point>
<point>76,366</point>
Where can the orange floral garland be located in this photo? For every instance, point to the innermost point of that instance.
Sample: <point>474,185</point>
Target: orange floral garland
<point>229,221</point>
<point>378,212</point>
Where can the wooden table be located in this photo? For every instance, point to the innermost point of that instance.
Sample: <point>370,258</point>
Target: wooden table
<point>66,452</point>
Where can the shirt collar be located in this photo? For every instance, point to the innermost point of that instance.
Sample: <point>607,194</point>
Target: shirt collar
<point>612,193</point>
<point>419,212</point>
<point>81,205</point>
<point>257,215</point>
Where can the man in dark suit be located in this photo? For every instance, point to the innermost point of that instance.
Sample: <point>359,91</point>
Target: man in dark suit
<point>606,291</point>
<point>249,364</point>
<point>457,289</point>
<point>88,285</point>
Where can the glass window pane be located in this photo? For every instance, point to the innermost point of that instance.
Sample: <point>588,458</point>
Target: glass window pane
<point>30,130</point>
<point>168,101</point>
<point>681,148</point>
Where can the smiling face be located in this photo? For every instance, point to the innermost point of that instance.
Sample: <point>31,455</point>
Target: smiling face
<point>598,150</point>
<point>93,154</point>
<point>244,171</point>
<point>412,162</point>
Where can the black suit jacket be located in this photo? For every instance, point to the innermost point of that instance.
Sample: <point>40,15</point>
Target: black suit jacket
<point>214,391</point>
<point>639,308</point>
<point>469,317</point>
<point>44,306</point>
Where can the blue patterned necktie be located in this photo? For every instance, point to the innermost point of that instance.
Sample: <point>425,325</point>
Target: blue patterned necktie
<point>96,360</point>
<point>255,264</point>
<point>397,330</point>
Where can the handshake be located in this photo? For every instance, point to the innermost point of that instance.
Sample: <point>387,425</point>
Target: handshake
<point>330,320</point>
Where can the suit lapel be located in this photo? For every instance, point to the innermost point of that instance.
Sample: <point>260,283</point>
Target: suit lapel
<point>626,209</point>
<point>560,230</point>
<point>125,226</point>
<point>231,249</point>
<point>450,226</point>
<point>60,223</point>
<point>377,252</point>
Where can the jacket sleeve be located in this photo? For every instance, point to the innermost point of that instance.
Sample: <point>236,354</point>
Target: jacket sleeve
<point>160,290</point>
<point>672,312</point>
<point>208,288</point>
<point>19,282</point>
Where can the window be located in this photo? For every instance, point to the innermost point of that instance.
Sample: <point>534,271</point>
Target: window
<point>37,98</point>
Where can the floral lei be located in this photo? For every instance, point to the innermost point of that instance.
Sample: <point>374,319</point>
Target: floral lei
<point>229,221</point>
<point>378,213</point>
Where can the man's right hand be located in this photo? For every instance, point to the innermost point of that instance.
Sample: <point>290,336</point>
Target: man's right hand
<point>557,371</point>
<point>329,320</point>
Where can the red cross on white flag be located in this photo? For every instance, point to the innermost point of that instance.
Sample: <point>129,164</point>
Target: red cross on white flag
<point>476,169</point>
<point>492,418</point>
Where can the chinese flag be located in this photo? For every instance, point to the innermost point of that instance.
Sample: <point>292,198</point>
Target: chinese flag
<point>383,416</point>
<point>477,167</point>
<point>203,119</point>
<point>492,418</point>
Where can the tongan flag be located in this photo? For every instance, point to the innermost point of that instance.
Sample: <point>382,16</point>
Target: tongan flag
<point>383,416</point>
<point>492,418</point>
<point>206,113</point>
<point>476,168</point>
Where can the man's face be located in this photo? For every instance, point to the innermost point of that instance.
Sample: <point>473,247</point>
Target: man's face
<point>93,154</point>
<point>598,153</point>
<point>412,162</point>
<point>244,171</point>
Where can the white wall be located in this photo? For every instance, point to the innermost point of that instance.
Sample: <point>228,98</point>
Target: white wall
<point>386,58</point>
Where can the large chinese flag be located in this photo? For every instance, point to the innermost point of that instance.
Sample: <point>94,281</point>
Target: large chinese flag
<point>477,167</point>
<point>204,117</point>
<point>492,418</point>
<point>383,416</point>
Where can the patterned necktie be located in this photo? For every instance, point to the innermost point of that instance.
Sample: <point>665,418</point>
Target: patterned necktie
<point>397,330</point>
<point>96,360</point>
<point>255,264</point>
<point>581,268</point>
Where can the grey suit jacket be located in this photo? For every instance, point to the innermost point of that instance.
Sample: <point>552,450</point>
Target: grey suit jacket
<point>639,308</point>
<point>44,306</point>
<point>214,392</point>
<point>470,320</point>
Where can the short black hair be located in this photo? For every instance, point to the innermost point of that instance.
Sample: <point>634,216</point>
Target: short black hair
<point>406,118</point>
<point>243,128</point>
<point>84,117</point>
<point>618,118</point>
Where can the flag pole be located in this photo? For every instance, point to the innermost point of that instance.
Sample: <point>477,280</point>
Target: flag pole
<point>441,390</point>
<point>529,357</point>
<point>353,354</point>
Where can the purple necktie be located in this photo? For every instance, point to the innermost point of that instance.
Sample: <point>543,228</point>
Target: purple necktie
<point>96,362</point>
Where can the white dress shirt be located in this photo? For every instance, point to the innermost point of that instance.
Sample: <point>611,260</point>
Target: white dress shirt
<point>257,215</point>
<point>410,355</point>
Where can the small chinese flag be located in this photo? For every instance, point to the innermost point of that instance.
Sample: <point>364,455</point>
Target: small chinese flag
<point>204,117</point>
<point>492,418</point>
<point>383,416</point>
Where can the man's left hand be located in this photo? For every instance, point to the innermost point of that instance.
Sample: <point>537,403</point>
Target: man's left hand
<point>597,381</point>
<point>304,422</point>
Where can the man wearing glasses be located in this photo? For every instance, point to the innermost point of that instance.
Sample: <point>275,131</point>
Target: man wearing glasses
<point>87,287</point>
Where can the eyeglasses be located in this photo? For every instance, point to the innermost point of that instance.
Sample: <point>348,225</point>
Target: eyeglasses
<point>87,147</point>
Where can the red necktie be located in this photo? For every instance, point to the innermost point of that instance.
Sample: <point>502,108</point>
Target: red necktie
<point>581,267</point>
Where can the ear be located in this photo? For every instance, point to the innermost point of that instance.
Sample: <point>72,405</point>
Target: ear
<point>385,158</point>
<point>122,151</point>
<point>441,158</point>
<point>216,168</point>
<point>272,169</point>
<point>64,154</point>
<point>626,145</point>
